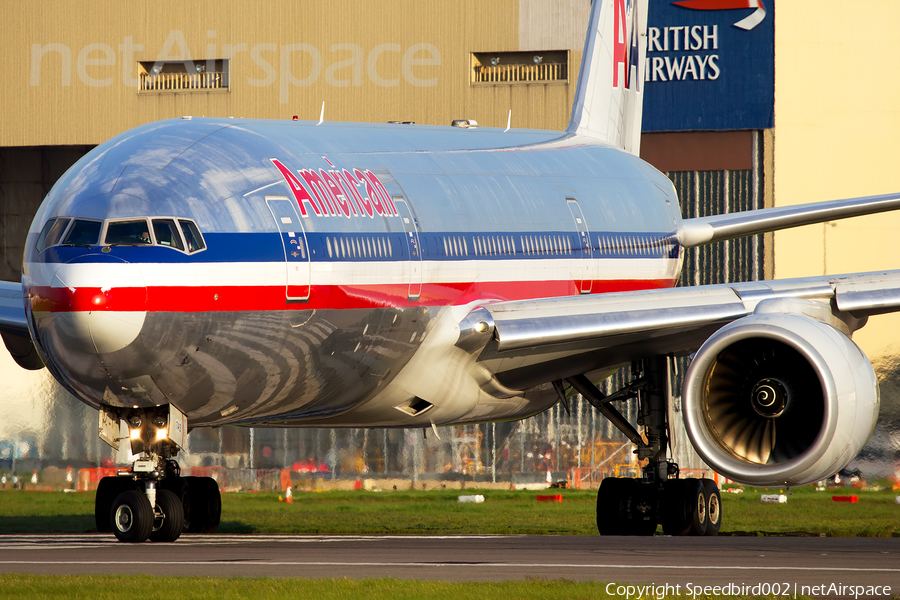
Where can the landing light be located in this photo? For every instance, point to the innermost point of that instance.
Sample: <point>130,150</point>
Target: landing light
<point>161,434</point>
<point>135,434</point>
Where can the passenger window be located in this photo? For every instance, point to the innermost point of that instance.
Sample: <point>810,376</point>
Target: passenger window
<point>192,236</point>
<point>83,233</point>
<point>166,233</point>
<point>128,233</point>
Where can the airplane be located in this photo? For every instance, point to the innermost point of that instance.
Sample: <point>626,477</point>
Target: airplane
<point>422,276</point>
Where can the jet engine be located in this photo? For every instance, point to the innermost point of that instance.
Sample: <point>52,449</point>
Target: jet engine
<point>779,399</point>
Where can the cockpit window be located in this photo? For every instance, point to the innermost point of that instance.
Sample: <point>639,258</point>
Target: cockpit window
<point>192,236</point>
<point>42,239</point>
<point>50,234</point>
<point>166,233</point>
<point>128,233</point>
<point>83,233</point>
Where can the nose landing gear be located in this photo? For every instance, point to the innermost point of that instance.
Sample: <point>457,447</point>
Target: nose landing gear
<point>152,500</point>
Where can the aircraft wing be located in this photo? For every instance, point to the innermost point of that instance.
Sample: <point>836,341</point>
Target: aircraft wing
<point>705,230</point>
<point>14,326</point>
<point>535,341</point>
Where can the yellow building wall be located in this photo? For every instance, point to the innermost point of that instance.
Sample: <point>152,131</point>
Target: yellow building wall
<point>68,64</point>
<point>837,128</point>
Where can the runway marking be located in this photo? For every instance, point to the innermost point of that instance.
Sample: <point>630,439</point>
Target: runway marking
<point>15,541</point>
<point>206,563</point>
<point>70,542</point>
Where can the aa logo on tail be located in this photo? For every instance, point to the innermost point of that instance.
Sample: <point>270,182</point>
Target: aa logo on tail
<point>625,46</point>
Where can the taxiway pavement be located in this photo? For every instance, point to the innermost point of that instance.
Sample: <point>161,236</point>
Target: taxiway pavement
<point>656,560</point>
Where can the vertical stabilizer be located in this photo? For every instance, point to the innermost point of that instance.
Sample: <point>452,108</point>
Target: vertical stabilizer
<point>610,89</point>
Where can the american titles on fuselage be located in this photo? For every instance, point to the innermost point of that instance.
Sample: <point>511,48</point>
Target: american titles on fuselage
<point>338,192</point>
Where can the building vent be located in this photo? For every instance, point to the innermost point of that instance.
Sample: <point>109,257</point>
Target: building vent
<point>183,76</point>
<point>517,68</point>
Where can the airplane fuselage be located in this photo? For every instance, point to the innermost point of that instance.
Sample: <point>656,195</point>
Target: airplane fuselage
<point>290,273</point>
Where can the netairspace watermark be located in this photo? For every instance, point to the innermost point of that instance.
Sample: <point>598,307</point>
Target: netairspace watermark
<point>786,590</point>
<point>273,64</point>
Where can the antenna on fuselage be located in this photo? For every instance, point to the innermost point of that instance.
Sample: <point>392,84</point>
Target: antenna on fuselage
<point>321,115</point>
<point>508,121</point>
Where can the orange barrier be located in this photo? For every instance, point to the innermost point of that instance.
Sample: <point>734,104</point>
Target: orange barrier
<point>853,499</point>
<point>551,498</point>
<point>220,474</point>
<point>89,479</point>
<point>575,478</point>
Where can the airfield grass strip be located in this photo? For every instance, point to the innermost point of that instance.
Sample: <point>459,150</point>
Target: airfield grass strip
<point>149,587</point>
<point>807,512</point>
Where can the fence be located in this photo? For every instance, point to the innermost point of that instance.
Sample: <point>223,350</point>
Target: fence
<point>279,479</point>
<point>588,478</point>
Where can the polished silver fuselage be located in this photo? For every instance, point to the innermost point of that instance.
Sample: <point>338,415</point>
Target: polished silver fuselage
<point>345,315</point>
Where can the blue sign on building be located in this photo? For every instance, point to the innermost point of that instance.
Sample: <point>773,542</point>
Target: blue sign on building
<point>710,65</point>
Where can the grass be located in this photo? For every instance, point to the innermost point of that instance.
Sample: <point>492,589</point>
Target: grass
<point>437,512</point>
<point>807,510</point>
<point>148,587</point>
<point>431,512</point>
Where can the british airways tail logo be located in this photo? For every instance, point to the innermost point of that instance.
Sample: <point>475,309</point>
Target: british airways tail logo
<point>748,23</point>
<point>338,192</point>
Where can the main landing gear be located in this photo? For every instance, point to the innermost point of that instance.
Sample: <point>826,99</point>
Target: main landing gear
<point>635,506</point>
<point>152,500</point>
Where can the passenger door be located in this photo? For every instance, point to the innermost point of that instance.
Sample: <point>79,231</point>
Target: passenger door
<point>296,249</point>
<point>584,247</point>
<point>411,233</point>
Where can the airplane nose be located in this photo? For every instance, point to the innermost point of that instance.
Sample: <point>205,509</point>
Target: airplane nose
<point>100,304</point>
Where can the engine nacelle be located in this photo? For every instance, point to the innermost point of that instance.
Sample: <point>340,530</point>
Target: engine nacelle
<point>779,399</point>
